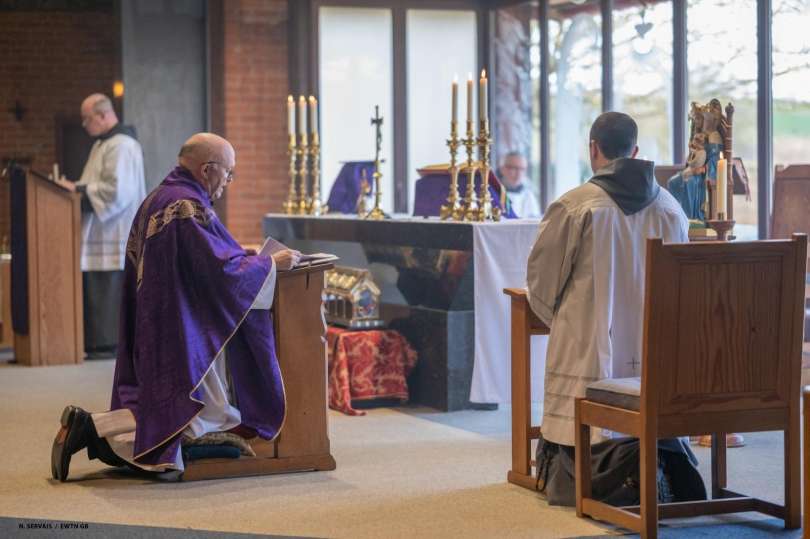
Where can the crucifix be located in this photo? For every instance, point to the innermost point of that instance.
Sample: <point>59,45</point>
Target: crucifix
<point>633,363</point>
<point>377,212</point>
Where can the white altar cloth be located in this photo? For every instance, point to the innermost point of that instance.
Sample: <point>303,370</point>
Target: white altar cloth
<point>501,251</point>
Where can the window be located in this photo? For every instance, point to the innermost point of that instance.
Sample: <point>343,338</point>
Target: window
<point>355,75</point>
<point>722,56</point>
<point>642,58</point>
<point>575,79</point>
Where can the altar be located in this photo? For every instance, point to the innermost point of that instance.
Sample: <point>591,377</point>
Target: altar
<point>441,287</point>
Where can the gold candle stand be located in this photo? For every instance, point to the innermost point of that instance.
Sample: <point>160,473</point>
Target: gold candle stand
<point>303,197</point>
<point>377,212</point>
<point>314,205</point>
<point>453,209</point>
<point>485,210</point>
<point>722,226</point>
<point>290,205</point>
<point>469,206</point>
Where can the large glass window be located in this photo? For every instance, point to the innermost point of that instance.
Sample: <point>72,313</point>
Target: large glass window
<point>575,80</point>
<point>791,82</point>
<point>722,56</point>
<point>355,75</point>
<point>642,79</point>
<point>432,64</point>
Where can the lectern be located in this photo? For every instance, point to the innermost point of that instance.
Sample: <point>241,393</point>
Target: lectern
<point>45,271</point>
<point>303,443</point>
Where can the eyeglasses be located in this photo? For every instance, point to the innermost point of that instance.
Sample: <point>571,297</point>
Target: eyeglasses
<point>228,171</point>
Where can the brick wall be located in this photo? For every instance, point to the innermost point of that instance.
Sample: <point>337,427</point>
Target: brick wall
<point>49,61</point>
<point>255,87</point>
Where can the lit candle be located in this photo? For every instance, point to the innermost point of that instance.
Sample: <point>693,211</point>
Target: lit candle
<point>55,171</point>
<point>313,115</point>
<point>302,115</point>
<point>483,84</point>
<point>454,108</point>
<point>469,99</point>
<point>720,189</point>
<point>291,115</point>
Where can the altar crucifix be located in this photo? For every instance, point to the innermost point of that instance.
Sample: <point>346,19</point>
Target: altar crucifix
<point>377,211</point>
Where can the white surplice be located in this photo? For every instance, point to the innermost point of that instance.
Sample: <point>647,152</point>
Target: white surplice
<point>586,281</point>
<point>524,203</point>
<point>115,185</point>
<point>218,413</point>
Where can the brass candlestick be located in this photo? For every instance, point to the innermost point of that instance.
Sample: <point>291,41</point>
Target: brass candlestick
<point>303,197</point>
<point>721,225</point>
<point>291,204</point>
<point>470,203</point>
<point>365,189</point>
<point>314,206</point>
<point>453,209</point>
<point>486,212</point>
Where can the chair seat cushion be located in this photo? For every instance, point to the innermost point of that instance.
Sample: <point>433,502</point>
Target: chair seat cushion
<point>619,392</point>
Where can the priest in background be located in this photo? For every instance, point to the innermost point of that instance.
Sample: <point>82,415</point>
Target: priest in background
<point>513,175</point>
<point>586,282</point>
<point>195,332</point>
<point>112,186</point>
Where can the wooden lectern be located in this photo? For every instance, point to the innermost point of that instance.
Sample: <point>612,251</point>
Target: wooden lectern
<point>303,443</point>
<point>46,271</point>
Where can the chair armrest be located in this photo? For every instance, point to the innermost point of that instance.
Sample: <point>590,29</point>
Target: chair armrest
<point>536,326</point>
<point>515,292</point>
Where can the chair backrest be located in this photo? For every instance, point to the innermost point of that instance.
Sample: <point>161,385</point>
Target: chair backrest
<point>723,326</point>
<point>791,200</point>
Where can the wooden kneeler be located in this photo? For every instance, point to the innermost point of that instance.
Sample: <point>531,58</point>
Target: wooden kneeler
<point>524,324</point>
<point>303,443</point>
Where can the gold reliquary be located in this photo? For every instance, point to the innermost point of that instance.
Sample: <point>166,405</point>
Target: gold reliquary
<point>352,299</point>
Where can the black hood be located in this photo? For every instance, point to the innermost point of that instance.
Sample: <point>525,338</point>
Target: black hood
<point>629,182</point>
<point>119,129</point>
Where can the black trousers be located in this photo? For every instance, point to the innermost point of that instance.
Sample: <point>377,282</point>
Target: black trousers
<point>102,301</point>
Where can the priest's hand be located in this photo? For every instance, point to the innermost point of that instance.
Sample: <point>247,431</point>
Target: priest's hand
<point>65,184</point>
<point>286,258</point>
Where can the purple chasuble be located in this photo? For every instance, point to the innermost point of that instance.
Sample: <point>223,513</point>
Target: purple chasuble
<point>431,190</point>
<point>187,295</point>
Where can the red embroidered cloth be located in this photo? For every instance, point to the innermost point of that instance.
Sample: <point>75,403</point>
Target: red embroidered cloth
<point>366,365</point>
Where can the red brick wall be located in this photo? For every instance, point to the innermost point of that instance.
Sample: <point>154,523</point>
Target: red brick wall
<point>255,81</point>
<point>49,61</point>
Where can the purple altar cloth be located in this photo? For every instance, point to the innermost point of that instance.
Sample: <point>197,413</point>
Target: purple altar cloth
<point>430,193</point>
<point>346,189</point>
<point>187,295</point>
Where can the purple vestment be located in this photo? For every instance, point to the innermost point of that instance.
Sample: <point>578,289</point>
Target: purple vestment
<point>346,189</point>
<point>430,193</point>
<point>187,295</point>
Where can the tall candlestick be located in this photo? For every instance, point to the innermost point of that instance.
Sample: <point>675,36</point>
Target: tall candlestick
<point>313,115</point>
<point>483,84</point>
<point>302,115</point>
<point>454,108</point>
<point>291,115</point>
<point>720,189</point>
<point>469,100</point>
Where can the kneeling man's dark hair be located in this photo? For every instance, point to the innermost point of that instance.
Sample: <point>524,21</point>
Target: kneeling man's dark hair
<point>615,133</point>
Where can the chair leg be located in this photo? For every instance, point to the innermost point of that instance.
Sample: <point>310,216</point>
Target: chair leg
<point>649,487</point>
<point>719,469</point>
<point>582,458</point>
<point>793,489</point>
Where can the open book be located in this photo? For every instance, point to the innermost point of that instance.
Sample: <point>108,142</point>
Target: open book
<point>273,246</point>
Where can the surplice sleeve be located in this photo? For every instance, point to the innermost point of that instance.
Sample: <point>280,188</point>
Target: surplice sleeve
<point>551,260</point>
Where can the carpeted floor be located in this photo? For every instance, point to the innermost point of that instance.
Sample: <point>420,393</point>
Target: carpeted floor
<point>402,472</point>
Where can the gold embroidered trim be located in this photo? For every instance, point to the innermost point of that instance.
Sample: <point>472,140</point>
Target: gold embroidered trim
<point>179,209</point>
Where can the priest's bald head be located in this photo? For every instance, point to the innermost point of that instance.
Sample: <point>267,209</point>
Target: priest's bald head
<point>210,159</point>
<point>613,136</point>
<point>98,114</point>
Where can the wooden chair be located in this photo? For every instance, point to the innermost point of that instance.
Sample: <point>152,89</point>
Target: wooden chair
<point>524,324</point>
<point>722,353</point>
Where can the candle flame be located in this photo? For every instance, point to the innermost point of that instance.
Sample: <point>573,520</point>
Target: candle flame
<point>290,99</point>
<point>302,99</point>
<point>483,73</point>
<point>469,77</point>
<point>455,79</point>
<point>312,99</point>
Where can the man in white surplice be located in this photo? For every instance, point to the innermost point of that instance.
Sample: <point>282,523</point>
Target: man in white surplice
<point>586,282</point>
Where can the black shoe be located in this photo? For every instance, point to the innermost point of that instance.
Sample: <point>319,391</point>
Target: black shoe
<point>72,437</point>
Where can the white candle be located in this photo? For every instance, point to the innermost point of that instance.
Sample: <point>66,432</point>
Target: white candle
<point>291,115</point>
<point>313,115</point>
<point>720,189</point>
<point>55,171</point>
<point>469,99</point>
<point>302,115</point>
<point>482,96</point>
<point>454,108</point>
